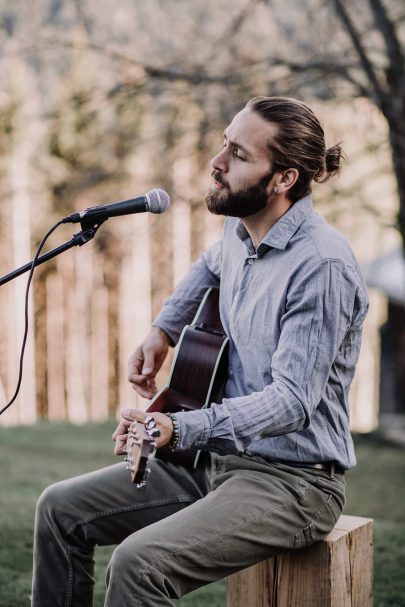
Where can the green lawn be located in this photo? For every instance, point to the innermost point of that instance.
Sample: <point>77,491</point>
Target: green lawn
<point>31,458</point>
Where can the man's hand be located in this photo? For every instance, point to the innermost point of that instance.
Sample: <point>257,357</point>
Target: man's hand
<point>163,423</point>
<point>146,361</point>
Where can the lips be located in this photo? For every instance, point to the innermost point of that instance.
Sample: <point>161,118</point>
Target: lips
<point>217,185</point>
<point>217,182</point>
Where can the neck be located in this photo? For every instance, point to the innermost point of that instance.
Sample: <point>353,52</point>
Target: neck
<point>260,223</point>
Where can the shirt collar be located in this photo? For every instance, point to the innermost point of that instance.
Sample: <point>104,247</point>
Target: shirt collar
<point>284,229</point>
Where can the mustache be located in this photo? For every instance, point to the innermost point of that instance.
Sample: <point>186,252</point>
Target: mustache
<point>218,177</point>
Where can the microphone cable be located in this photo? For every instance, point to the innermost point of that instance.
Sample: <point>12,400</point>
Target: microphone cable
<point>27,290</point>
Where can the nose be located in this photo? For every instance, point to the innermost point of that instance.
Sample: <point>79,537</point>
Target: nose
<point>219,162</point>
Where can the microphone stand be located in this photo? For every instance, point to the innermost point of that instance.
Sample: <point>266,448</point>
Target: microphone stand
<point>88,231</point>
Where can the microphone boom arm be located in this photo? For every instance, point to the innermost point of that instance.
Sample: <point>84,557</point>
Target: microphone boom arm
<point>88,231</point>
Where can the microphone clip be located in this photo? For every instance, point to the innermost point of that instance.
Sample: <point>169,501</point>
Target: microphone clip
<point>97,217</point>
<point>89,229</point>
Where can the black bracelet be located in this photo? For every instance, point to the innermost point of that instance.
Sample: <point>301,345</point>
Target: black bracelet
<point>175,440</point>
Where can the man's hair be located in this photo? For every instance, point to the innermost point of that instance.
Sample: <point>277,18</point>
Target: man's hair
<point>299,142</point>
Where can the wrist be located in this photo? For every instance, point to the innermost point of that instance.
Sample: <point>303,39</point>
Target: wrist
<point>175,438</point>
<point>161,334</point>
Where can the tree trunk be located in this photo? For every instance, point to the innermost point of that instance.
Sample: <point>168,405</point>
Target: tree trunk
<point>397,140</point>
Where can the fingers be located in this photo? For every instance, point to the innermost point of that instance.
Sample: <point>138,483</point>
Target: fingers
<point>162,422</point>
<point>144,386</point>
<point>142,362</point>
<point>121,429</point>
<point>146,361</point>
<point>149,367</point>
<point>120,435</point>
<point>120,447</point>
<point>133,415</point>
<point>135,364</point>
<point>141,373</point>
<point>128,416</point>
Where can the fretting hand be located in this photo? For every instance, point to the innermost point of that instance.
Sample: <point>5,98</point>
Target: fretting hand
<point>162,421</point>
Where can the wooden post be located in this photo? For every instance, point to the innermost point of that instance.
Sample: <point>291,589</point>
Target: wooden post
<point>336,572</point>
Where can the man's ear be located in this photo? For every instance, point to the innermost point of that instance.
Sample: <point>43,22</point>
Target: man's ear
<point>286,181</point>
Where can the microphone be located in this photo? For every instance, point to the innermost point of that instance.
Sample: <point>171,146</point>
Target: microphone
<point>155,201</point>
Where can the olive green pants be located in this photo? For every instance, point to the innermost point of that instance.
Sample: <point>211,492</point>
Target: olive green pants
<point>182,530</point>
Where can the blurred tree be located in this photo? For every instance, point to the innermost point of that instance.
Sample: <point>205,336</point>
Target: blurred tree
<point>361,48</point>
<point>138,93</point>
<point>213,56</point>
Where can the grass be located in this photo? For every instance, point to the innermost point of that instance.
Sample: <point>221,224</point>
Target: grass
<point>33,457</point>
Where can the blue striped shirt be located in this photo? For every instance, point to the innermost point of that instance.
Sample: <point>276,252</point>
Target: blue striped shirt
<point>293,310</point>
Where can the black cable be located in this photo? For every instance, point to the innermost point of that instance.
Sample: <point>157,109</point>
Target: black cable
<point>27,290</point>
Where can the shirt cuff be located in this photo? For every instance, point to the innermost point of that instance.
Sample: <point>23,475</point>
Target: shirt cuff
<point>194,429</point>
<point>170,327</point>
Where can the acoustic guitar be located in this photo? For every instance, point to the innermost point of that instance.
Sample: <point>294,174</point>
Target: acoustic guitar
<point>196,379</point>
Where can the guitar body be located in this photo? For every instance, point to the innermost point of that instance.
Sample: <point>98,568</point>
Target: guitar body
<point>197,375</point>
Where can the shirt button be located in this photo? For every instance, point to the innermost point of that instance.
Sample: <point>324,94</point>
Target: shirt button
<point>250,261</point>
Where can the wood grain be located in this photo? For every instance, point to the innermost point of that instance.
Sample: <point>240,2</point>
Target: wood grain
<point>337,572</point>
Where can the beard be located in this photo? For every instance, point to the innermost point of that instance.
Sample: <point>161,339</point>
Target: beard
<point>242,203</point>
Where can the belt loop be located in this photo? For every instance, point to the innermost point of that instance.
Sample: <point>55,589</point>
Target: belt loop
<point>332,470</point>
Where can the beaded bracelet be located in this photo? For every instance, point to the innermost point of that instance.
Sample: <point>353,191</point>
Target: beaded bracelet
<point>175,440</point>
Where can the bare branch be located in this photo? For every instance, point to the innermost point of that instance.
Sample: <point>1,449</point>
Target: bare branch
<point>357,43</point>
<point>82,17</point>
<point>231,30</point>
<point>198,77</point>
<point>170,74</point>
<point>386,27</point>
<point>237,23</point>
<point>325,68</point>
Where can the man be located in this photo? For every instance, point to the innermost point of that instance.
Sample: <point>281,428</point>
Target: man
<point>292,303</point>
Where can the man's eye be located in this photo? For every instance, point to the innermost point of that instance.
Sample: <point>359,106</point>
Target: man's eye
<point>236,153</point>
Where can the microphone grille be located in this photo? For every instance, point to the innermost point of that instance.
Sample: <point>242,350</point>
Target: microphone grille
<point>158,201</point>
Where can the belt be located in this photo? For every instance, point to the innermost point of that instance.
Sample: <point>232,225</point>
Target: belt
<point>331,467</point>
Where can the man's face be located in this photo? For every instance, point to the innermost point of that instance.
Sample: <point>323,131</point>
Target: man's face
<point>242,175</point>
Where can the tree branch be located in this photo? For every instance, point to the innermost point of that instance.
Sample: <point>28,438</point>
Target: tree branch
<point>82,17</point>
<point>170,74</point>
<point>364,60</point>
<point>231,30</point>
<point>387,29</point>
<point>327,68</point>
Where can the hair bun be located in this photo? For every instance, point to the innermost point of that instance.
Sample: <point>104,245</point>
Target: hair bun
<point>333,163</point>
<point>334,158</point>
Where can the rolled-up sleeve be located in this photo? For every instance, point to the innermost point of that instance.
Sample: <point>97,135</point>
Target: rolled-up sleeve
<point>180,309</point>
<point>318,312</point>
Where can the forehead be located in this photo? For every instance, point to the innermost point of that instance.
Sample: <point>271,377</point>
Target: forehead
<point>251,131</point>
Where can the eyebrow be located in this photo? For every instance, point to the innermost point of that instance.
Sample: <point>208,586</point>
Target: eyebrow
<point>238,145</point>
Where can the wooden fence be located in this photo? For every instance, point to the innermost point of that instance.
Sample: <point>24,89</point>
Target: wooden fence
<point>91,306</point>
<point>89,309</point>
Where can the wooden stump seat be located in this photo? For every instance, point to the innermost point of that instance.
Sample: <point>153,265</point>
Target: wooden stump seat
<point>336,572</point>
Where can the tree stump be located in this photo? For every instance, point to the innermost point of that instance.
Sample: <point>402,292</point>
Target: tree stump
<point>336,572</point>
